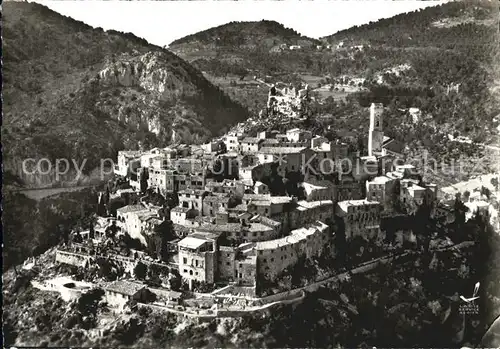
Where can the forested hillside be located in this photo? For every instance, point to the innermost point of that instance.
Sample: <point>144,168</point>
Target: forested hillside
<point>75,92</point>
<point>442,60</point>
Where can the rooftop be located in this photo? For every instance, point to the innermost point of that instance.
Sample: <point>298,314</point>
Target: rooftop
<point>380,180</point>
<point>180,209</point>
<point>129,153</point>
<point>294,237</point>
<point>271,141</point>
<point>124,287</point>
<point>257,197</point>
<point>204,235</point>
<point>344,205</point>
<point>281,150</point>
<point>192,191</point>
<point>131,208</point>
<point>251,140</point>
<point>277,200</point>
<point>308,187</point>
<point>394,175</point>
<point>313,204</point>
<point>216,198</point>
<point>415,188</point>
<point>266,221</point>
<point>164,293</point>
<point>145,216</point>
<point>405,166</point>
<point>325,146</point>
<point>233,227</point>
<point>181,229</point>
<point>191,242</point>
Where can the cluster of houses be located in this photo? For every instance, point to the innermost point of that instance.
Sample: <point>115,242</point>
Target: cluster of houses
<point>251,206</point>
<point>231,224</point>
<point>289,101</point>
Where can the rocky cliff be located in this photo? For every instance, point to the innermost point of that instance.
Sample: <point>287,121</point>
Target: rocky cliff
<point>78,93</point>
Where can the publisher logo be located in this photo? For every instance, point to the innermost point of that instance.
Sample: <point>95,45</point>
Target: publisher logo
<point>469,305</point>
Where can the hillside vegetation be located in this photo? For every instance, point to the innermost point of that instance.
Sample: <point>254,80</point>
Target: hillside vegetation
<point>74,92</point>
<point>244,34</point>
<point>443,60</point>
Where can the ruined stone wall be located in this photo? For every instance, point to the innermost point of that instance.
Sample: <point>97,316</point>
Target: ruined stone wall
<point>271,262</point>
<point>71,258</point>
<point>363,223</point>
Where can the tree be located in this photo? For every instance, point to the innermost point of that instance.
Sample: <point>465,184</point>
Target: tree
<point>233,201</point>
<point>466,195</point>
<point>144,179</point>
<point>101,207</point>
<point>485,191</point>
<point>494,182</point>
<point>140,271</point>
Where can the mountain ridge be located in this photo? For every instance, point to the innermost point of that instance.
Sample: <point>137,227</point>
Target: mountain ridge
<point>241,33</point>
<point>69,91</point>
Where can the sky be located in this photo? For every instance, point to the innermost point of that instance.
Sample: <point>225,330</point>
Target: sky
<point>161,22</point>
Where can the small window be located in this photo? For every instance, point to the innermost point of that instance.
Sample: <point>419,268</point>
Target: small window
<point>184,260</point>
<point>272,259</point>
<point>227,263</point>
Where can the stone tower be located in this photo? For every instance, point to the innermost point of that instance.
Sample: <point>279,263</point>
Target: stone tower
<point>376,132</point>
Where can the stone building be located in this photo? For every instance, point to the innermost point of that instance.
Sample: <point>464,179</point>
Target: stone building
<point>129,161</point>
<point>133,217</point>
<point>212,204</point>
<point>381,189</point>
<point>240,232</point>
<point>192,198</point>
<point>274,256</point>
<point>360,218</point>
<point>118,293</point>
<point>232,143</point>
<point>318,193</point>
<point>227,186</point>
<point>251,144</point>
<point>297,135</point>
<point>197,257</point>
<point>183,216</point>
<point>260,188</point>
<point>307,212</point>
<point>288,159</point>
<point>237,264</point>
<point>349,189</point>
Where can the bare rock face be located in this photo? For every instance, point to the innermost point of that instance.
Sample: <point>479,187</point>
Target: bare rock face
<point>150,72</point>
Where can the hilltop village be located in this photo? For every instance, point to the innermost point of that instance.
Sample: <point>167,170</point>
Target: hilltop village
<point>245,221</point>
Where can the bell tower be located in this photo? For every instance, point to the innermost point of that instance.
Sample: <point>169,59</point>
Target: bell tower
<point>376,131</point>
